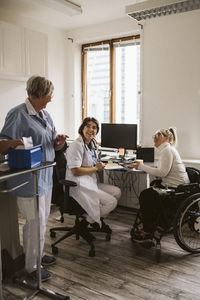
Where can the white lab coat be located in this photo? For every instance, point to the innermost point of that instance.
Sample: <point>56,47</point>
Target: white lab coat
<point>86,193</point>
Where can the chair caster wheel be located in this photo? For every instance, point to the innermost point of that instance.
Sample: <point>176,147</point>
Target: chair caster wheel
<point>92,253</point>
<point>108,237</point>
<point>52,234</point>
<point>54,250</point>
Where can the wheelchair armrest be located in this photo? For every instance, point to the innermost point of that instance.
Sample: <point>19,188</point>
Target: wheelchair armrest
<point>156,182</point>
<point>188,187</point>
<point>67,182</point>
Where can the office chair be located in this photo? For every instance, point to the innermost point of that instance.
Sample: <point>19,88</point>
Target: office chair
<point>184,218</point>
<point>70,206</point>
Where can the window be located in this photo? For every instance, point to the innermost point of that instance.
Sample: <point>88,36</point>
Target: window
<point>111,80</point>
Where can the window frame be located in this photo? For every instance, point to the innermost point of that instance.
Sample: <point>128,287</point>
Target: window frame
<point>112,72</point>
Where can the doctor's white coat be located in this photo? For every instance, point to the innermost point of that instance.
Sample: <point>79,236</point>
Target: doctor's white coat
<point>86,193</point>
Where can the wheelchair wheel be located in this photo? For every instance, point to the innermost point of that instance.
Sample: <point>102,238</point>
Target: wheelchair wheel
<point>187,224</point>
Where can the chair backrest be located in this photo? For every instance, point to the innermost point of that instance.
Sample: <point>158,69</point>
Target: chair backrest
<point>61,162</point>
<point>58,174</point>
<point>193,174</point>
<point>61,194</point>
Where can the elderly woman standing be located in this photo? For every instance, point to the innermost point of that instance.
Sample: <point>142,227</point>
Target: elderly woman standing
<point>31,119</point>
<point>172,172</point>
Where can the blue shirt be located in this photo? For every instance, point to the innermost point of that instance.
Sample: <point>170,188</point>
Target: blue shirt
<point>94,156</point>
<point>23,121</point>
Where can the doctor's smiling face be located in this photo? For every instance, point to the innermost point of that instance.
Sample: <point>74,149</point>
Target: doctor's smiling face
<point>89,131</point>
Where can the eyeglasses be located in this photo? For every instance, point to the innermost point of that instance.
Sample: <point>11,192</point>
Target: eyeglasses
<point>156,134</point>
<point>91,127</point>
<point>160,133</point>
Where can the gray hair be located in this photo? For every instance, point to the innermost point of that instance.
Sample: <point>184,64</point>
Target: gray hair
<point>38,86</point>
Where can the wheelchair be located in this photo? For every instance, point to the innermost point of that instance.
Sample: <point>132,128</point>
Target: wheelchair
<point>184,220</point>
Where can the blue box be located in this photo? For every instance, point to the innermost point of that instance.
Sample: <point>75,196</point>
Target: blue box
<point>25,158</point>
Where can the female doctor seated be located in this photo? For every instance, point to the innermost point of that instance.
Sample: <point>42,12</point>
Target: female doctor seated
<point>97,199</point>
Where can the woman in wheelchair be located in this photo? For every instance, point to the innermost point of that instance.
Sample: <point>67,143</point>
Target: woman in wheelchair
<point>154,207</point>
<point>97,199</point>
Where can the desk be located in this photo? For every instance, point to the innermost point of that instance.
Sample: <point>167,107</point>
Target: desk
<point>36,288</point>
<point>131,182</point>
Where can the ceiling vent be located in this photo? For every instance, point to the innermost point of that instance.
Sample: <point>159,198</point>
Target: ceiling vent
<point>157,8</point>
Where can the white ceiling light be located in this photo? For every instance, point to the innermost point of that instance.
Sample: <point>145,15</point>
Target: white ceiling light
<point>67,7</point>
<point>156,8</point>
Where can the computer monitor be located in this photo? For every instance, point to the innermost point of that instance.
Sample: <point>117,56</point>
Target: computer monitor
<point>119,136</point>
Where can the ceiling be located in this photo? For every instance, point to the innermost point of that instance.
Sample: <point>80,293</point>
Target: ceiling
<point>94,12</point>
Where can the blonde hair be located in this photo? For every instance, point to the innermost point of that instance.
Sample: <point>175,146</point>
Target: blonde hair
<point>171,133</point>
<point>38,86</point>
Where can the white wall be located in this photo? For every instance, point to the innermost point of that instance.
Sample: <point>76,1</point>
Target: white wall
<point>170,72</point>
<point>73,88</point>
<point>171,79</point>
<point>109,30</point>
<point>64,69</point>
<point>13,92</point>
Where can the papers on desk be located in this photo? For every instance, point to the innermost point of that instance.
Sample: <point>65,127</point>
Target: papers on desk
<point>113,166</point>
<point>107,158</point>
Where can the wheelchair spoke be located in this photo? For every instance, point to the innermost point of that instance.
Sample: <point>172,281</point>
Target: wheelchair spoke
<point>187,227</point>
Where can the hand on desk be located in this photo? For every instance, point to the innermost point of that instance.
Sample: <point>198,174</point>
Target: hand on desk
<point>135,164</point>
<point>100,166</point>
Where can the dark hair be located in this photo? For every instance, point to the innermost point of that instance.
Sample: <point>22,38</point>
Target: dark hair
<point>85,122</point>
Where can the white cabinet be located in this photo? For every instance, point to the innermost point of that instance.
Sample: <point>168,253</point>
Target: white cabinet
<point>36,53</point>
<point>12,50</point>
<point>23,52</point>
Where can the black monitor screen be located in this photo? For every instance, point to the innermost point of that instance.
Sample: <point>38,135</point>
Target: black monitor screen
<point>119,136</point>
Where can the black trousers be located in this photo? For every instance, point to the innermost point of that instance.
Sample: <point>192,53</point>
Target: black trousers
<point>156,209</point>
